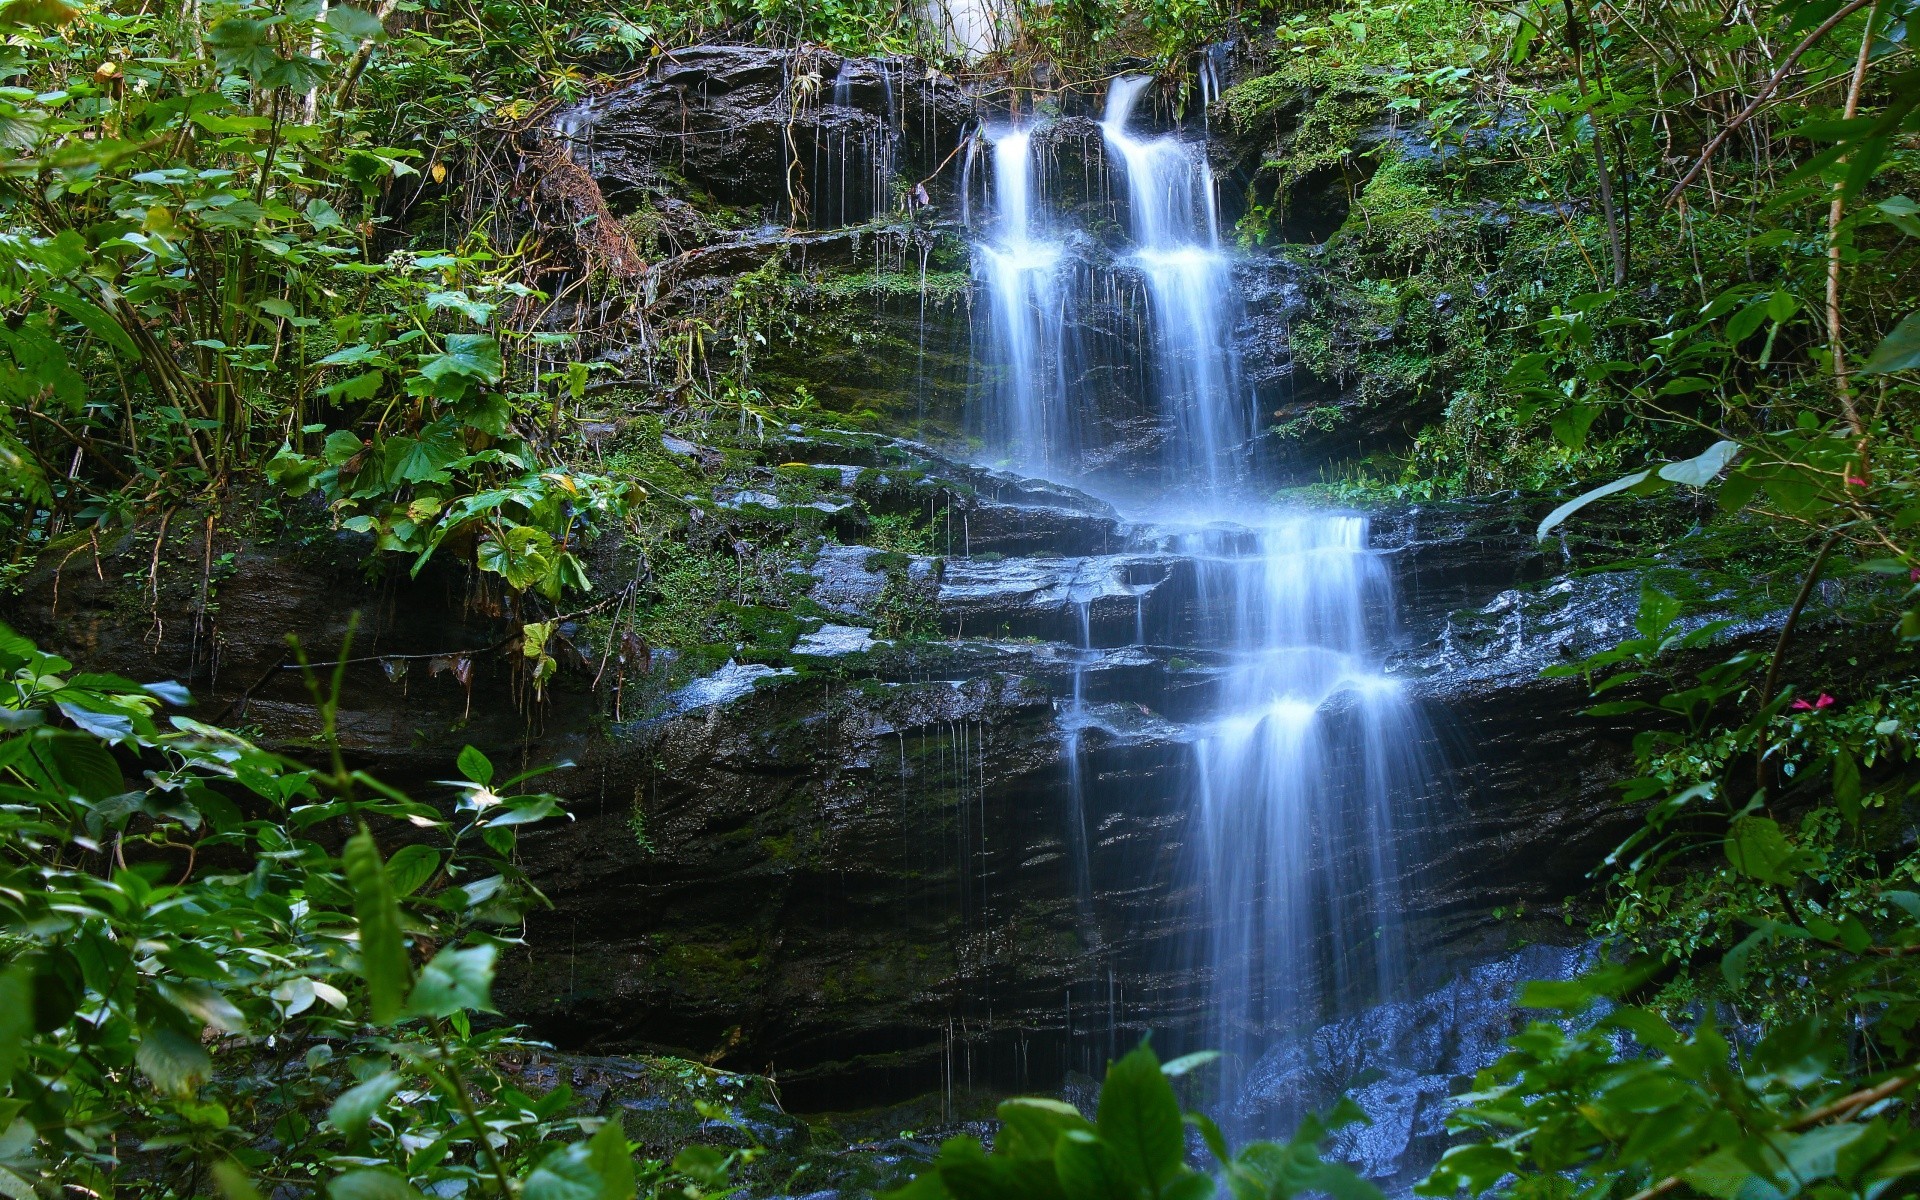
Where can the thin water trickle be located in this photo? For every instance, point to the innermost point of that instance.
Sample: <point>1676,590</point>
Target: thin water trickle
<point>1306,761</point>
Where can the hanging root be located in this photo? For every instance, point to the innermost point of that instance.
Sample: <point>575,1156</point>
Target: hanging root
<point>566,206</point>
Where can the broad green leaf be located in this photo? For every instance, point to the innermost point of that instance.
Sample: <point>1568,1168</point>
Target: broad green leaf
<point>418,459</point>
<point>1140,1118</point>
<point>86,766</point>
<point>1189,1062</point>
<point>1755,846</point>
<point>600,1168</point>
<point>411,867</point>
<point>708,1164</point>
<point>477,311</point>
<point>107,726</point>
<point>1030,1127</point>
<point>383,950</point>
<point>1898,351</point>
<point>1846,784</point>
<point>355,23</point>
<point>470,355</point>
<point>16,1017</point>
<point>231,1178</point>
<point>40,13</point>
<point>1091,1169</point>
<point>1570,426</point>
<point>204,1004</point>
<point>455,981</point>
<point>175,1062</point>
<point>354,1108</point>
<point>341,446</point>
<point>96,319</point>
<point>1340,1182</point>
<point>475,765</point>
<point>371,1184</point>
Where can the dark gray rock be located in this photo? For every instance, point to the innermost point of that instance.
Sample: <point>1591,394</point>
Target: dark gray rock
<point>751,126</point>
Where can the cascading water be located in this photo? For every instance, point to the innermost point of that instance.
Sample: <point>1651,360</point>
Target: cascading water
<point>1021,271</point>
<point>1175,224</point>
<point>1298,779</point>
<point>1307,751</point>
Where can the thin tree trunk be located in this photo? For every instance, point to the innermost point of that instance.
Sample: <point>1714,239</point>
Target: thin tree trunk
<point>1834,339</point>
<point>1605,177</point>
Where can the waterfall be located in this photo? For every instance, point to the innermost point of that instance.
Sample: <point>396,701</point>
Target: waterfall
<point>1021,272</point>
<point>1175,224</point>
<point>1297,779</point>
<point>1306,758</point>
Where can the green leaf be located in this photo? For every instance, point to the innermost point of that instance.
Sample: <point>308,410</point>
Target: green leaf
<point>477,311</point>
<point>383,950</point>
<point>371,1184</point>
<point>1898,351</point>
<point>1846,784</point>
<point>418,459</point>
<point>41,13</point>
<point>1189,1062</point>
<point>1756,847</point>
<point>95,318</point>
<point>1701,469</point>
<point>469,355</point>
<point>175,1062</point>
<point>411,867</point>
<point>489,413</point>
<point>455,981</point>
<point>1140,1118</point>
<point>85,766</point>
<point>475,766</point>
<point>204,1004</point>
<point>1090,1169</point>
<point>1579,502</point>
<point>341,446</point>
<point>355,23</point>
<point>364,386</point>
<point>231,1178</point>
<point>354,1109</point>
<point>16,1017</point>
<point>600,1168</point>
<point>1030,1127</point>
<point>1570,426</point>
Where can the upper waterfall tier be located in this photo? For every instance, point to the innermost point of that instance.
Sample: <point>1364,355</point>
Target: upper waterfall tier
<point>1180,301</point>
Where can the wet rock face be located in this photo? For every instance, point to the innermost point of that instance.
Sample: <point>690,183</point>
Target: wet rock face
<point>860,873</point>
<point>1403,1062</point>
<point>757,128</point>
<point>872,884</point>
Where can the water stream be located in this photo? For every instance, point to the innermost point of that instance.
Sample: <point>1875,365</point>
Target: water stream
<point>1305,759</point>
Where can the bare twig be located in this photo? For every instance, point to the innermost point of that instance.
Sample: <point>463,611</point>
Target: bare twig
<point>1766,92</point>
<point>1834,339</point>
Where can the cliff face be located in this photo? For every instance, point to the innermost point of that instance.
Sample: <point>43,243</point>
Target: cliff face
<point>856,872</point>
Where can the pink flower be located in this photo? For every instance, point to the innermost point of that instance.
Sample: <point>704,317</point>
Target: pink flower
<point>1855,481</point>
<point>1824,701</point>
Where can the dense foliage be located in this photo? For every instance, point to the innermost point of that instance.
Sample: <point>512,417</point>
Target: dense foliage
<point>218,980</point>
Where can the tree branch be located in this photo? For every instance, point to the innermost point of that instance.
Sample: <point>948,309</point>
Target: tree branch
<point>1766,93</point>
